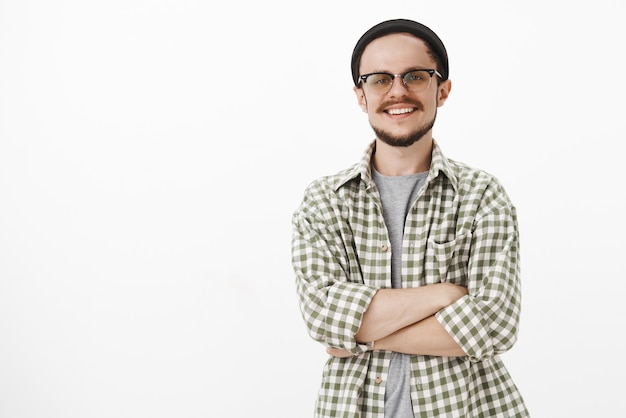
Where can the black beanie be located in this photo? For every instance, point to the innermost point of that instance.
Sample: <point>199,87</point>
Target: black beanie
<point>398,26</point>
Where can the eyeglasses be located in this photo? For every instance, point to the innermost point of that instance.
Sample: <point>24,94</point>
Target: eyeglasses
<point>414,80</point>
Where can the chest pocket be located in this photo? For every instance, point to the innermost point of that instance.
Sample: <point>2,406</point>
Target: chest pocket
<point>447,261</point>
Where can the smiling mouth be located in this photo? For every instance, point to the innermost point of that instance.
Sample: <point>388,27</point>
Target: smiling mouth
<point>402,111</point>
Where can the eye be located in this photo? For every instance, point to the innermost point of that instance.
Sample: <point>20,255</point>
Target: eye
<point>415,76</point>
<point>379,79</point>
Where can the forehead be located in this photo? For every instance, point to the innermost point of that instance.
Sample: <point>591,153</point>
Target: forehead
<point>395,52</point>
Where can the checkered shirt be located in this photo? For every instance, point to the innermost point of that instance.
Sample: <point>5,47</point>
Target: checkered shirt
<point>461,229</point>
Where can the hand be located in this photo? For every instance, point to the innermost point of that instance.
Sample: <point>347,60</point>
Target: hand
<point>339,352</point>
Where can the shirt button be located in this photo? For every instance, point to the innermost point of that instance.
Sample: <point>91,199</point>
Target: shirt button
<point>378,380</point>
<point>384,248</point>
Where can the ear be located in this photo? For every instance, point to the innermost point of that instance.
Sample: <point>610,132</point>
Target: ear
<point>443,91</point>
<point>360,97</point>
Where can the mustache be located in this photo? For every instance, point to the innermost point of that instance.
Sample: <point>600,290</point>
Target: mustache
<point>409,101</point>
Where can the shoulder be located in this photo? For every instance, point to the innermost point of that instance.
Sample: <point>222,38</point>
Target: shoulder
<point>331,184</point>
<point>470,175</point>
<point>477,184</point>
<point>327,196</point>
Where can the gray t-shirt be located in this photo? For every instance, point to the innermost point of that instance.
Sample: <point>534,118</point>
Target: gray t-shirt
<point>397,194</point>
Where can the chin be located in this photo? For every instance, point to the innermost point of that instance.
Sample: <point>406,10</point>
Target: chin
<point>399,141</point>
<point>405,139</point>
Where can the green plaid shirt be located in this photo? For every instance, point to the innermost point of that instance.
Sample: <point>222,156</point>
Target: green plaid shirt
<point>461,229</point>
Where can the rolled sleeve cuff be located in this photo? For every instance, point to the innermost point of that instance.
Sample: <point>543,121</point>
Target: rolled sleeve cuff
<point>464,321</point>
<point>347,302</point>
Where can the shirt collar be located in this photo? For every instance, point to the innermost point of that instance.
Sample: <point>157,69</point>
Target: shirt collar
<point>439,164</point>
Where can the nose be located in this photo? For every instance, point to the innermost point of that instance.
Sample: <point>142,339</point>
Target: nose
<point>398,88</point>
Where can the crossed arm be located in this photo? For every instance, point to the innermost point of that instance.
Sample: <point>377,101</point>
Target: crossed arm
<point>402,320</point>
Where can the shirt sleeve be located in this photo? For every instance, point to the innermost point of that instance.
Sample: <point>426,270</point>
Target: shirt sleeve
<point>485,322</point>
<point>332,298</point>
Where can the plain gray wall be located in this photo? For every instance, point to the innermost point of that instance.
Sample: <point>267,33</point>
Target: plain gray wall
<point>152,153</point>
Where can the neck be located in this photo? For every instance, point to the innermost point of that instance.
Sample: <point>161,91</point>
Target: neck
<point>403,161</point>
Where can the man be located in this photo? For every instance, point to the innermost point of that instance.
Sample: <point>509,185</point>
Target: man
<point>407,263</point>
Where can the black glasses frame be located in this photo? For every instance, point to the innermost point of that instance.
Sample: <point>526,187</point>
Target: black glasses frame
<point>431,72</point>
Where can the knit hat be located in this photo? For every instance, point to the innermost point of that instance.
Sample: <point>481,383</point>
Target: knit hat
<point>398,26</point>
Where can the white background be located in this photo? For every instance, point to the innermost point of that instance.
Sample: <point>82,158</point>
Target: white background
<point>152,153</point>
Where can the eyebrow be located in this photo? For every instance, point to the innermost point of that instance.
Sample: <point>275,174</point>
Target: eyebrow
<point>406,70</point>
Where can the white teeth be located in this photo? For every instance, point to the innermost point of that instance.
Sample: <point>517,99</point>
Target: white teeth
<point>399,111</point>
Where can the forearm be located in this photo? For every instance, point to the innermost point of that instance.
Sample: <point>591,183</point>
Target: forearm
<point>427,337</point>
<point>392,310</point>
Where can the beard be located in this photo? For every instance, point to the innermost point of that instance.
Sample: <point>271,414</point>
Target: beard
<point>404,140</point>
<point>411,137</point>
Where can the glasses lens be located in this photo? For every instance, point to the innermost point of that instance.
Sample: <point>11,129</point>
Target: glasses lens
<point>417,80</point>
<point>379,82</point>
